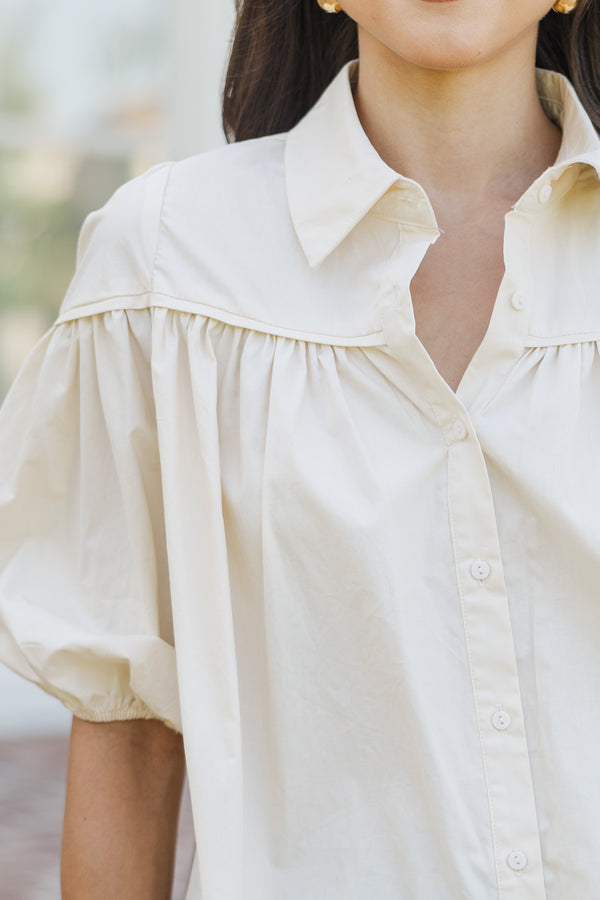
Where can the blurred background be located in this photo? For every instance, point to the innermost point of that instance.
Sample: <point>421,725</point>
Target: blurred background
<point>91,94</point>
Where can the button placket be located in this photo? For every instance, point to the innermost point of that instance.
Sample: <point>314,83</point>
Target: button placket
<point>493,665</point>
<point>486,619</point>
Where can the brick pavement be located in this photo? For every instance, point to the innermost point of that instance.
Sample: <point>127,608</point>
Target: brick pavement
<point>32,777</point>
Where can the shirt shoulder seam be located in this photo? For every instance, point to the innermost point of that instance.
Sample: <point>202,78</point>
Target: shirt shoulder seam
<point>159,229</point>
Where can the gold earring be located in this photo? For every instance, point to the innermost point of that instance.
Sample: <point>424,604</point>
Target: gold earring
<point>564,6</point>
<point>330,7</point>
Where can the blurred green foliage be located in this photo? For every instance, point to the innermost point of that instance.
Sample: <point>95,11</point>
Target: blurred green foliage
<point>43,202</point>
<point>37,244</point>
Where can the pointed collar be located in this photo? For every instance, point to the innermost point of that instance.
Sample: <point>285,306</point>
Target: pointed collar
<point>334,175</point>
<point>580,140</point>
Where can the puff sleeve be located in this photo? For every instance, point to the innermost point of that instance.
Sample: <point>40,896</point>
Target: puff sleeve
<point>84,583</point>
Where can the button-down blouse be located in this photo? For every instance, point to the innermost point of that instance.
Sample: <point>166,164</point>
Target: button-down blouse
<point>237,496</point>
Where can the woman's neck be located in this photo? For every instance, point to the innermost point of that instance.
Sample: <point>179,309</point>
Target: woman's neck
<point>469,137</point>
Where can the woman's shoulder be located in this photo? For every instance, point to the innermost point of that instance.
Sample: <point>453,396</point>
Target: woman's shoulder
<point>232,163</point>
<point>175,222</point>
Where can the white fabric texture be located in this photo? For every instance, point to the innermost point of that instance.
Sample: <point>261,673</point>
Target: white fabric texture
<point>237,496</point>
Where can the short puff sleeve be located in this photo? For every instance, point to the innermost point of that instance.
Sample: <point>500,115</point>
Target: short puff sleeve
<point>84,585</point>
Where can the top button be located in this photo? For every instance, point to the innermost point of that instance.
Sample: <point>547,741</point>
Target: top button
<point>544,193</point>
<point>517,301</point>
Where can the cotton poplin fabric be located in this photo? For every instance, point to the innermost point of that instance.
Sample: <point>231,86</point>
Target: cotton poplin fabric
<point>237,496</point>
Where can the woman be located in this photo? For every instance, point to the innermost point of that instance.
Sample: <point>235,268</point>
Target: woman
<point>306,472</point>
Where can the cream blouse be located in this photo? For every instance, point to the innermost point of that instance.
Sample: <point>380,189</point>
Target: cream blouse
<point>237,496</point>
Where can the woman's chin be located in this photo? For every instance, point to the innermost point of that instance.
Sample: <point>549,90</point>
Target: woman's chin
<point>446,56</point>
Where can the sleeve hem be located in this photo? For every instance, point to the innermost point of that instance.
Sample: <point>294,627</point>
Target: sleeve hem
<point>117,714</point>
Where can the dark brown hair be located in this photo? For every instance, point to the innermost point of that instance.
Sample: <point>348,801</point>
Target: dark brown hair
<point>285,53</point>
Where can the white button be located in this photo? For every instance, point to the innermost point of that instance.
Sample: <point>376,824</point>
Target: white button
<point>544,193</point>
<point>459,430</point>
<point>480,570</point>
<point>517,301</point>
<point>517,860</point>
<point>501,719</point>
